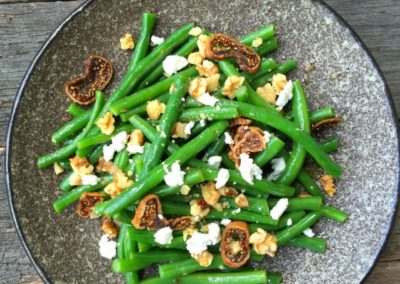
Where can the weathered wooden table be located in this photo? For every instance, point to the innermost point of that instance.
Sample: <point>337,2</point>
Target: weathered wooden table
<point>25,25</point>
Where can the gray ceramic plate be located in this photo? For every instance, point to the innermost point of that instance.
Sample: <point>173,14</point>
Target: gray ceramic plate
<point>64,248</point>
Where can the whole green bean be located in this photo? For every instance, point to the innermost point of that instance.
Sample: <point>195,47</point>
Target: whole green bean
<point>300,203</point>
<point>215,149</point>
<point>208,113</point>
<point>95,155</point>
<point>71,127</point>
<point>323,113</point>
<point>256,204</point>
<point>286,67</point>
<point>144,126</point>
<point>267,65</point>
<point>264,33</point>
<point>267,47</point>
<point>65,164</point>
<point>274,278</point>
<point>283,221</point>
<point>334,214</point>
<point>64,184</point>
<point>330,145</point>
<point>148,237</point>
<point>75,110</point>
<point>130,247</point>
<point>274,146</point>
<point>314,244</point>
<point>120,243</point>
<point>309,184</point>
<point>141,109</point>
<point>228,163</point>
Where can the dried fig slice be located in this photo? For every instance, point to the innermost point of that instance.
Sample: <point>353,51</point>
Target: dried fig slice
<point>86,203</point>
<point>180,223</point>
<point>239,122</point>
<point>329,122</point>
<point>149,214</point>
<point>235,248</point>
<point>98,73</point>
<point>222,46</point>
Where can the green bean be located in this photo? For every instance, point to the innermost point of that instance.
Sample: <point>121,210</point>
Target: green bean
<point>142,260</point>
<point>64,184</point>
<point>209,113</point>
<point>228,163</point>
<point>314,244</point>
<point>130,168</point>
<point>264,33</point>
<point>72,196</point>
<point>168,119</point>
<point>302,121</point>
<point>142,44</point>
<point>286,67</point>
<point>124,216</point>
<point>309,184</point>
<point>130,247</point>
<point>156,175</point>
<point>198,128</point>
<point>148,237</point>
<point>267,65</point>
<point>65,165</point>
<point>65,152</point>
<point>149,93</point>
<point>191,102</point>
<point>144,247</point>
<point>138,165</point>
<point>96,154</point>
<point>283,221</point>
<point>71,127</point>
<point>274,146</point>
<point>274,278</point>
<point>121,159</point>
<point>300,203</point>
<point>141,109</point>
<point>296,229</point>
<point>241,94</point>
<point>75,110</point>
<point>249,277</point>
<point>334,214</point>
<point>267,47</point>
<point>330,145</point>
<point>256,204</point>
<point>243,215</point>
<point>121,245</point>
<point>184,51</point>
<point>323,113</point>
<point>144,126</point>
<point>215,148</point>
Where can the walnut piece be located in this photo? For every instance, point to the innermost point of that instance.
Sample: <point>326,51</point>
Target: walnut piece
<point>105,167</point>
<point>228,191</point>
<point>58,169</point>
<point>81,165</point>
<point>195,58</point>
<point>197,87</point>
<point>202,43</point>
<point>267,92</point>
<point>207,69</point>
<point>127,42</point>
<point>232,83</point>
<point>154,109</point>
<point>204,259</point>
<point>136,138</point>
<point>188,232</point>
<point>257,42</point>
<point>241,201</point>
<point>328,184</point>
<point>199,207</point>
<point>185,189</point>
<point>196,31</point>
<point>264,243</point>
<point>75,179</point>
<point>210,193</point>
<point>109,229</point>
<point>278,82</point>
<point>119,184</point>
<point>179,130</point>
<point>86,203</point>
<point>213,83</point>
<point>106,123</point>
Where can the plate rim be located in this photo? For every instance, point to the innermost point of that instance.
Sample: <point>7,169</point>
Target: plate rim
<point>21,90</point>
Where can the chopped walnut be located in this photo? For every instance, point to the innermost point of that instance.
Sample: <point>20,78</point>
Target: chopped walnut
<point>328,184</point>
<point>105,167</point>
<point>109,229</point>
<point>199,207</point>
<point>202,43</point>
<point>86,203</point>
<point>113,190</point>
<point>179,131</point>
<point>267,92</point>
<point>154,109</point>
<point>127,42</point>
<point>226,204</point>
<point>210,193</point>
<point>241,201</point>
<point>213,83</point>
<point>207,69</point>
<point>185,189</point>
<point>75,179</point>
<point>304,194</point>
<point>204,259</point>
<point>232,83</point>
<point>228,191</point>
<point>328,122</point>
<point>197,87</point>
<point>278,82</point>
<point>218,206</point>
<point>121,180</point>
<point>136,138</point>
<point>58,169</point>
<point>257,42</point>
<point>188,232</point>
<point>196,31</point>
<point>195,58</point>
<point>264,243</point>
<point>106,124</point>
<point>81,165</point>
<point>239,121</point>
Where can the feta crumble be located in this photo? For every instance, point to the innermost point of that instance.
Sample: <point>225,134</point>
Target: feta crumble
<point>108,152</point>
<point>156,40</point>
<point>198,242</point>
<point>267,136</point>
<point>228,138</point>
<point>163,236</point>
<point>119,141</point>
<point>134,149</point>
<point>285,95</point>
<point>174,63</point>
<point>188,128</point>
<point>175,176</point>
<point>202,122</point>
<point>289,222</point>
<point>208,100</point>
<point>280,207</point>
<point>278,165</point>
<point>215,161</point>
<point>236,211</point>
<point>309,233</point>
<point>90,179</point>
<point>225,222</point>
<point>107,247</point>
<point>248,170</point>
<point>222,178</point>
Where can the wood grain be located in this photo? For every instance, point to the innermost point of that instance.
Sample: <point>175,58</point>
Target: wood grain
<point>25,26</point>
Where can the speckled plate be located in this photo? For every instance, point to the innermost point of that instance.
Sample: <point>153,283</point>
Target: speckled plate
<point>64,248</point>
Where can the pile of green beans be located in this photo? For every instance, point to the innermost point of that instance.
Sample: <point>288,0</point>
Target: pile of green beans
<point>289,138</point>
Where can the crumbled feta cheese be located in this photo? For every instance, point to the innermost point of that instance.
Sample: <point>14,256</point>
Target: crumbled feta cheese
<point>278,165</point>
<point>156,40</point>
<point>208,100</point>
<point>267,136</point>
<point>225,222</point>
<point>202,122</point>
<point>309,233</point>
<point>228,138</point>
<point>222,178</point>
<point>198,242</point>
<point>107,247</point>
<point>285,95</point>
<point>160,216</point>
<point>236,211</point>
<point>119,141</point>
<point>134,149</point>
<point>108,152</point>
<point>175,176</point>
<point>248,170</point>
<point>188,128</point>
<point>90,179</point>
<point>280,207</point>
<point>163,236</point>
<point>174,63</point>
<point>215,161</point>
<point>289,222</point>
<point>196,31</point>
